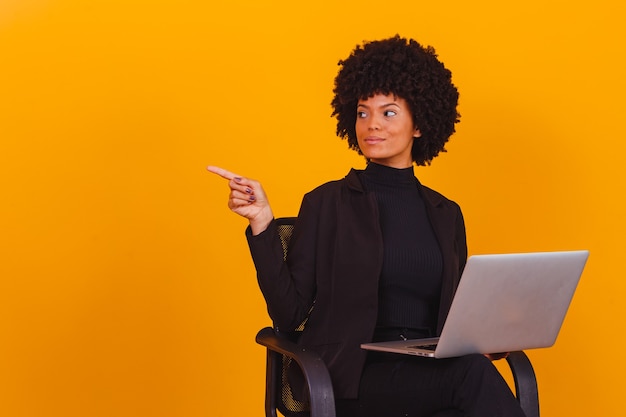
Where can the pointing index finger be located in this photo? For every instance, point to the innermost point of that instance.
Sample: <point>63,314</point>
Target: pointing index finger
<point>221,172</point>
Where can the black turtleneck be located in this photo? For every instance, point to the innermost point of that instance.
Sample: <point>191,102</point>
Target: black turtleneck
<point>410,281</point>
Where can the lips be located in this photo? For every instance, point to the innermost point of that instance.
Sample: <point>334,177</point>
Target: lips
<point>373,140</point>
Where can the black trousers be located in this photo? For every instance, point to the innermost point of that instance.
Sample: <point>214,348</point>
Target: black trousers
<point>406,386</point>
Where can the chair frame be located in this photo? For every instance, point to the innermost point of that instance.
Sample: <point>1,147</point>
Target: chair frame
<point>281,347</point>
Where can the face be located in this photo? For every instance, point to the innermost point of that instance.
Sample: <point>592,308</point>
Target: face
<point>385,130</point>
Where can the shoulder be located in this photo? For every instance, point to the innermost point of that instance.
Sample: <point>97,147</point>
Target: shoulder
<point>332,188</point>
<point>435,198</point>
<point>328,187</point>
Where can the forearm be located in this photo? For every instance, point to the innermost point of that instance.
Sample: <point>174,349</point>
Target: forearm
<point>288,299</point>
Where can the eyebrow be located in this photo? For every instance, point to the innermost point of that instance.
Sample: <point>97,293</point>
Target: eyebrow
<point>393,103</point>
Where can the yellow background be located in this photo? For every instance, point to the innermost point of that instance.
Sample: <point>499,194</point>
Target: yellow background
<point>126,287</point>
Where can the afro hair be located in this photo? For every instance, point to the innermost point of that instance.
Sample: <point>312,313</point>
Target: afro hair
<point>406,69</point>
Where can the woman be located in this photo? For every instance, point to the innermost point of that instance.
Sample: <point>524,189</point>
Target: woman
<point>376,255</point>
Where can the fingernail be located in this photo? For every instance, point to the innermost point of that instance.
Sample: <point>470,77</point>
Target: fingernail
<point>237,179</point>
<point>252,198</point>
<point>248,190</point>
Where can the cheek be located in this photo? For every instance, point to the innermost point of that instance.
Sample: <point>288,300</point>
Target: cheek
<point>359,141</point>
<point>360,130</point>
<point>409,131</point>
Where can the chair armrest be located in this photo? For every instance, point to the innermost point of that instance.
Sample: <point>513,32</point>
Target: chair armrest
<point>525,383</point>
<point>317,378</point>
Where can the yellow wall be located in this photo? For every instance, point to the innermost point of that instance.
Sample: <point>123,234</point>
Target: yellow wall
<point>126,288</point>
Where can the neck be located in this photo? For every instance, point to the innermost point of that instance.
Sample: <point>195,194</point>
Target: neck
<point>393,164</point>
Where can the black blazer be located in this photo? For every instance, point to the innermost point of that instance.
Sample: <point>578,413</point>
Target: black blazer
<point>332,270</point>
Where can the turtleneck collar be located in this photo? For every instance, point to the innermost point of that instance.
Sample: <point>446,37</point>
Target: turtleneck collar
<point>387,175</point>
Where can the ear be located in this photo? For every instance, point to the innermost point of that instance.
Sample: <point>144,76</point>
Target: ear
<point>417,133</point>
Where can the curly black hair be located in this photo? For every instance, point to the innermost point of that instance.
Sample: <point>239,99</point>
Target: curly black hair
<point>408,70</point>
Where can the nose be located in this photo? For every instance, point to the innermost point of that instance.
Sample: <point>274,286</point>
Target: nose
<point>373,123</point>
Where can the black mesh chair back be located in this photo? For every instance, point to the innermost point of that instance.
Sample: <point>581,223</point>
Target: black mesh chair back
<point>288,405</point>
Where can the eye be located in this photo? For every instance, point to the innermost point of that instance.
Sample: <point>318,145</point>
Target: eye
<point>361,114</point>
<point>389,113</point>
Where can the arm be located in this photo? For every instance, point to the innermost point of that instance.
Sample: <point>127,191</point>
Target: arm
<point>288,287</point>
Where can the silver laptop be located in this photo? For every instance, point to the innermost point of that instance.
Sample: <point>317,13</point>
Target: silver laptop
<point>504,303</point>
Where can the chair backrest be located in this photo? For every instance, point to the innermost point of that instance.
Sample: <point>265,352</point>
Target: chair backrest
<point>285,228</point>
<point>287,404</point>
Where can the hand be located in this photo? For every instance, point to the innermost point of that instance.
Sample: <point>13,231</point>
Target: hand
<point>247,199</point>
<point>496,356</point>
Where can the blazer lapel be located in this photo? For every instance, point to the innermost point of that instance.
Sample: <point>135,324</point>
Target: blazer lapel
<point>442,221</point>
